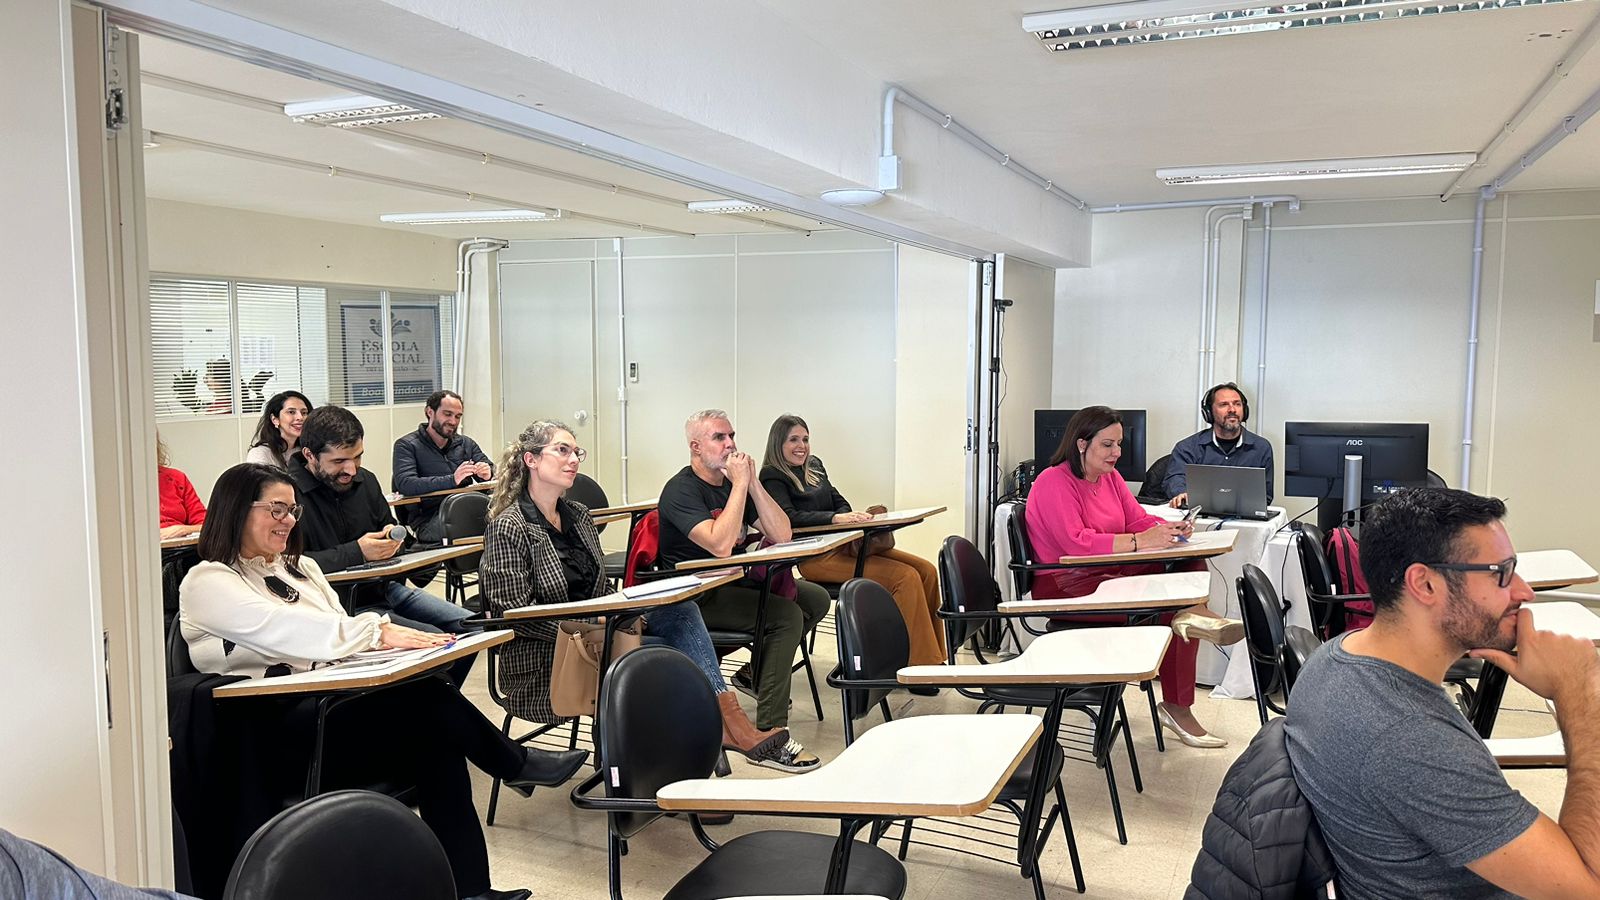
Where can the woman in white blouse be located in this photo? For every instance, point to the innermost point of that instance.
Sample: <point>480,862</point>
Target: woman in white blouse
<point>256,607</point>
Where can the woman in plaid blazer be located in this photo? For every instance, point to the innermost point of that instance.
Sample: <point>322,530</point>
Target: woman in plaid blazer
<point>540,547</point>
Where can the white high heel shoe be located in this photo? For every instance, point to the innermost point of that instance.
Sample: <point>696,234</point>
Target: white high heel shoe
<point>1219,631</point>
<point>1203,741</point>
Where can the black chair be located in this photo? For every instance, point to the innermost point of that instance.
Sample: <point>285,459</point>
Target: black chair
<point>341,845</point>
<point>872,637</point>
<point>464,516</point>
<point>178,660</point>
<point>1024,563</point>
<point>1263,634</point>
<point>1152,490</point>
<point>661,725</point>
<point>969,598</point>
<point>1329,615</point>
<point>1298,645</point>
<point>587,491</point>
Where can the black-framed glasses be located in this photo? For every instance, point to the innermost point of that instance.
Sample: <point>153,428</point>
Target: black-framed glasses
<point>565,451</point>
<point>278,509</point>
<point>281,589</point>
<point>1504,570</point>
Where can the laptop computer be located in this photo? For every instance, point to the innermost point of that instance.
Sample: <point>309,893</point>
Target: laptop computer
<point>1229,491</point>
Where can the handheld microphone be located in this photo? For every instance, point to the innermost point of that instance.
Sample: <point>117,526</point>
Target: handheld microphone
<point>396,533</point>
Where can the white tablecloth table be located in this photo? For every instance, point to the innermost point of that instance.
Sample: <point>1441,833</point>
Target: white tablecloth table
<point>1213,665</point>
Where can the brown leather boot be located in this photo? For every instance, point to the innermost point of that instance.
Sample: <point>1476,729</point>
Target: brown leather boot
<point>739,735</point>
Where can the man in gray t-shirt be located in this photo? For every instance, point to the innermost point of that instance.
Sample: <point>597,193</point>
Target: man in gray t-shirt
<point>1409,799</point>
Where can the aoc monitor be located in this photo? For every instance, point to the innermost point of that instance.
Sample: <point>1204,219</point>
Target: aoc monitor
<point>1050,424</point>
<point>1393,456</point>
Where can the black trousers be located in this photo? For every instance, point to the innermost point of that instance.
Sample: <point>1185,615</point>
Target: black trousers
<point>423,734</point>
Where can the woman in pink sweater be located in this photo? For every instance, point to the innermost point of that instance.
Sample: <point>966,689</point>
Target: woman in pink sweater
<point>1080,506</point>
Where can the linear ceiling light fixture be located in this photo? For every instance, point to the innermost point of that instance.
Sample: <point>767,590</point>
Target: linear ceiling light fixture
<point>1313,169</point>
<point>354,112</point>
<point>1152,21</point>
<point>469,217</point>
<point>726,207</point>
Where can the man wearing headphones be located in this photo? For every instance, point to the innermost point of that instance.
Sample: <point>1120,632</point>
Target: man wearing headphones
<point>1225,443</point>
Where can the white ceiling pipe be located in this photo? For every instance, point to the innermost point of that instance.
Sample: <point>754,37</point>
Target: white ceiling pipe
<point>1476,295</point>
<point>1205,308</point>
<point>1562,69</point>
<point>1290,199</point>
<point>465,251</point>
<point>889,164</point>
<point>1261,326</point>
<point>1567,126</point>
<point>1242,213</point>
<point>390,181</point>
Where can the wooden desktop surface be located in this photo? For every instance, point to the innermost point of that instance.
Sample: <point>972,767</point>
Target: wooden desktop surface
<point>1566,617</point>
<point>1201,545</point>
<point>188,540</point>
<point>1075,656</point>
<point>407,501</point>
<point>803,548</point>
<point>898,768</point>
<point>622,601</point>
<point>1167,590</point>
<point>1543,752</point>
<point>894,518</point>
<point>333,678</point>
<point>403,563</point>
<point>626,508</point>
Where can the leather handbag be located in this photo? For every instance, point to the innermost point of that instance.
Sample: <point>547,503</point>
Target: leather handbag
<point>575,674</point>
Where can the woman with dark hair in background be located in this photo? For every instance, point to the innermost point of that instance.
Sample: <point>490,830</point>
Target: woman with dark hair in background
<point>541,547</point>
<point>278,432</point>
<point>257,605</point>
<point>799,484</point>
<point>1080,506</point>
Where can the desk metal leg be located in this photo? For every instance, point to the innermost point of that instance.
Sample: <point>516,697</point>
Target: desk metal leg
<point>1491,688</point>
<point>1028,839</point>
<point>839,863</point>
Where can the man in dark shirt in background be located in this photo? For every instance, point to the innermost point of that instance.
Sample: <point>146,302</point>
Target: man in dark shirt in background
<point>1225,443</point>
<point>436,457</point>
<point>705,511</point>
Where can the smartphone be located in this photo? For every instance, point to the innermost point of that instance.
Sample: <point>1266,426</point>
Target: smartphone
<point>1192,514</point>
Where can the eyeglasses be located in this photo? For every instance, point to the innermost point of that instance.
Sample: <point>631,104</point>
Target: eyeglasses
<point>279,509</point>
<point>1505,569</point>
<point>283,590</point>
<point>566,451</point>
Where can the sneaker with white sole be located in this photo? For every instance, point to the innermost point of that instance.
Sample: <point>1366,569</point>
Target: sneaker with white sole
<point>787,757</point>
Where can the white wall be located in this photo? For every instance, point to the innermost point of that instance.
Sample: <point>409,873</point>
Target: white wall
<point>1367,321</point>
<point>1029,331</point>
<point>931,367</point>
<point>191,239</point>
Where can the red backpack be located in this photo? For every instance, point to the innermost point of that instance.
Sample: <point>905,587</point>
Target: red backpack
<point>1345,552</point>
<point>644,544</point>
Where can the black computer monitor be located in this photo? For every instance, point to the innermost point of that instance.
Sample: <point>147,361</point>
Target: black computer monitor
<point>1050,424</point>
<point>1393,456</point>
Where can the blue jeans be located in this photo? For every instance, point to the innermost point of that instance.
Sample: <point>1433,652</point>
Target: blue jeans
<point>422,610</point>
<point>680,627</point>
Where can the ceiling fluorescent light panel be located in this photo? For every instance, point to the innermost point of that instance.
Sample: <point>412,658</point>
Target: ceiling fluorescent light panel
<point>1315,169</point>
<point>1154,21</point>
<point>470,217</point>
<point>354,112</point>
<point>725,207</point>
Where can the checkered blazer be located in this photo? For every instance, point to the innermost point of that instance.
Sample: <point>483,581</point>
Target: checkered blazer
<point>520,568</point>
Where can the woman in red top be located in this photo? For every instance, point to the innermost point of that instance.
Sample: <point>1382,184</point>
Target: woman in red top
<point>1080,506</point>
<point>181,510</point>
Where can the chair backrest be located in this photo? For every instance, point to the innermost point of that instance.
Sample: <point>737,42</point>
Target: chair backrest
<point>644,547</point>
<point>1320,580</point>
<point>873,644</point>
<point>966,586</point>
<point>1153,488</point>
<point>661,724</point>
<point>1298,645</point>
<point>587,491</point>
<point>340,845</point>
<point>178,660</point>
<point>1435,480</point>
<point>1263,615</point>
<point>464,516</point>
<point>1021,548</point>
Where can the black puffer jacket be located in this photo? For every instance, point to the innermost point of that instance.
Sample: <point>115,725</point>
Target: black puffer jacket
<point>1261,841</point>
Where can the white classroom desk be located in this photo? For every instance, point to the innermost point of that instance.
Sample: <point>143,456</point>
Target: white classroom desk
<point>1127,653</point>
<point>1165,590</point>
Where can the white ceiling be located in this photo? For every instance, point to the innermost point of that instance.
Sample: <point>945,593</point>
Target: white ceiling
<point>1100,121</point>
<point>1097,122</point>
<point>254,121</point>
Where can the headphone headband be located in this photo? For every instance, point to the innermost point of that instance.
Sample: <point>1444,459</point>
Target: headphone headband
<point>1205,403</point>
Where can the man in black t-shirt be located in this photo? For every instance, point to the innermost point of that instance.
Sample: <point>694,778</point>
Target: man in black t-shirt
<point>706,510</point>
